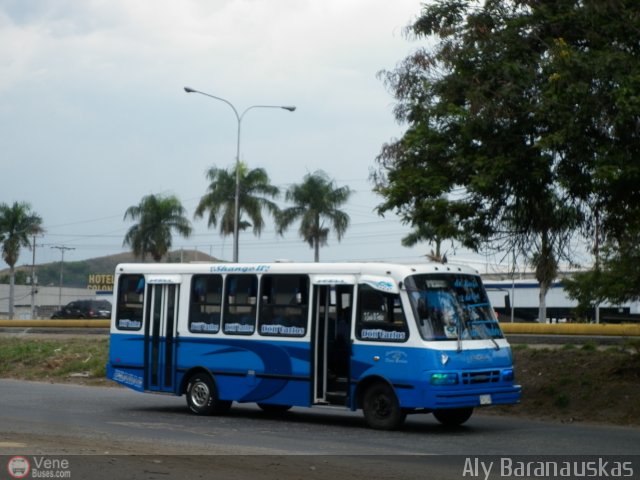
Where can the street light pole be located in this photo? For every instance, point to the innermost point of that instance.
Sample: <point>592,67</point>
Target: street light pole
<point>239,117</point>
<point>62,250</point>
<point>34,283</point>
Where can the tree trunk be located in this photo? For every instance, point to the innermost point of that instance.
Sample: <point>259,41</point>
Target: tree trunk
<point>12,284</point>
<point>542,307</point>
<point>546,272</point>
<point>316,246</point>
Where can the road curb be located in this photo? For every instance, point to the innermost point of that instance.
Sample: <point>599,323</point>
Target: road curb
<point>592,329</point>
<point>56,323</point>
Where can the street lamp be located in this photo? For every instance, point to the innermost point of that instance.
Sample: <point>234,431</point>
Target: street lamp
<point>62,249</point>
<point>239,117</point>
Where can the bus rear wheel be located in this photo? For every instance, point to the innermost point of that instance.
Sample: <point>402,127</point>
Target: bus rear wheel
<point>381,407</point>
<point>202,396</point>
<point>452,417</point>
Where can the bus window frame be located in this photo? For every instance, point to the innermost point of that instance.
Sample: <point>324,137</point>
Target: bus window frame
<point>133,305</point>
<point>226,305</point>
<point>193,304</point>
<point>288,307</point>
<point>385,325</point>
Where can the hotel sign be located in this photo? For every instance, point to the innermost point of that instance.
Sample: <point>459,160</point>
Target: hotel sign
<point>100,283</point>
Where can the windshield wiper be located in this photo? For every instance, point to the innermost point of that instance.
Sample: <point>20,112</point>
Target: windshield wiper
<point>485,335</point>
<point>495,343</point>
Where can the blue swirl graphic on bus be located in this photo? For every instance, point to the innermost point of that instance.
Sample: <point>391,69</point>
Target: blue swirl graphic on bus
<point>276,360</point>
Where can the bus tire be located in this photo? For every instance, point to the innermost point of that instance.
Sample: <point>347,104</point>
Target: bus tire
<point>452,417</point>
<point>202,396</point>
<point>381,407</point>
<point>273,409</point>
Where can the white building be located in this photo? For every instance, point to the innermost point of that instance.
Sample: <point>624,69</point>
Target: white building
<point>46,301</point>
<point>520,298</point>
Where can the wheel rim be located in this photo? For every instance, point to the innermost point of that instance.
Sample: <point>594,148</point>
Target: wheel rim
<point>200,394</point>
<point>381,406</point>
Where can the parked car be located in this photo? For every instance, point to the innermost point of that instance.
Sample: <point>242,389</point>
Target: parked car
<point>85,309</point>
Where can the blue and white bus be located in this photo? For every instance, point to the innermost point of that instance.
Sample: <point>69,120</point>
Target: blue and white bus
<point>389,339</point>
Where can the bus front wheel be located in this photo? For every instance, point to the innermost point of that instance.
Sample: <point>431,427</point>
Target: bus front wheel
<point>381,407</point>
<point>452,417</point>
<point>202,396</point>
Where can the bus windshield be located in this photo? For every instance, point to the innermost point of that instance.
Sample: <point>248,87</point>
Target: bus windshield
<point>452,307</point>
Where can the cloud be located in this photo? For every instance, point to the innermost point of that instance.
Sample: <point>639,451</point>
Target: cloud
<point>302,44</point>
<point>94,115</point>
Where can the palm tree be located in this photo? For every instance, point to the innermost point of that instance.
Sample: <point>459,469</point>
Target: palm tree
<point>255,193</point>
<point>426,232</point>
<point>316,201</point>
<point>17,224</point>
<point>157,217</point>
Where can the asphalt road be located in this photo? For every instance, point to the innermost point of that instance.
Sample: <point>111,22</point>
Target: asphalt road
<point>126,417</point>
<point>126,421</point>
<point>110,427</point>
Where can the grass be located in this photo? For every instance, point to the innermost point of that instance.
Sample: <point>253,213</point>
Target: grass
<point>54,360</point>
<point>564,384</point>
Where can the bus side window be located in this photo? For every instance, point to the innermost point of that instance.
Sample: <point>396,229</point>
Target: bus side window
<point>380,316</point>
<point>130,302</point>
<point>206,304</point>
<point>240,294</point>
<point>283,305</point>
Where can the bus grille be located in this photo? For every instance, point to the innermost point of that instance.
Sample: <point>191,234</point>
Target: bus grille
<point>487,376</point>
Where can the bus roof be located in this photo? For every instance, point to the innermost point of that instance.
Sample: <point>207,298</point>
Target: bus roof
<point>397,270</point>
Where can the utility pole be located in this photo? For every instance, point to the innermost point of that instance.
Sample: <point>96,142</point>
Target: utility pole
<point>513,286</point>
<point>62,249</point>
<point>34,282</point>
<point>596,253</point>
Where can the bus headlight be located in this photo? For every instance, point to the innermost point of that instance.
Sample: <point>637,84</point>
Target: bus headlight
<point>444,378</point>
<point>507,375</point>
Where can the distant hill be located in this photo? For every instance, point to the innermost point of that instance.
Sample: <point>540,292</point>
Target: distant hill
<point>76,274</point>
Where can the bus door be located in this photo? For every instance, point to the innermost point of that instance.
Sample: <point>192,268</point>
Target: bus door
<point>160,332</point>
<point>331,337</point>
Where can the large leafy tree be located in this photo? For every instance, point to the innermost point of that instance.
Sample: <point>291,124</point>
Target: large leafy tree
<point>522,116</point>
<point>18,223</point>
<point>316,204</point>
<point>594,82</point>
<point>615,277</point>
<point>157,218</point>
<point>256,195</point>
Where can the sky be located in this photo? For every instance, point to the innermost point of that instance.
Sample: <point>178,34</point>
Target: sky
<point>94,115</point>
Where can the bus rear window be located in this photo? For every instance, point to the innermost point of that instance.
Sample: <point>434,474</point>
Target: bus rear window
<point>130,302</point>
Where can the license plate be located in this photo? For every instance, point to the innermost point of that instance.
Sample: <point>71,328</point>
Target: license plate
<point>485,399</point>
